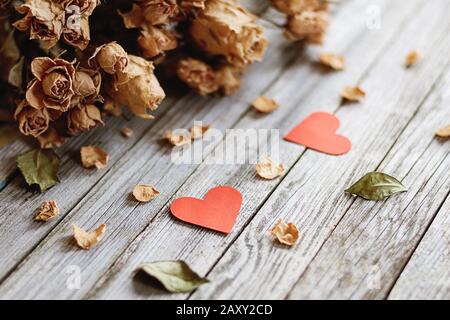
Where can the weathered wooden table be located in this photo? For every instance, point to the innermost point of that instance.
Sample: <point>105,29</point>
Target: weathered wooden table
<point>349,248</point>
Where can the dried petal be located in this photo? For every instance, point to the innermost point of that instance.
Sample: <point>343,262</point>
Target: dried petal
<point>444,132</point>
<point>127,132</point>
<point>285,233</point>
<point>412,58</point>
<point>50,139</point>
<point>47,211</point>
<point>87,240</point>
<point>333,61</point>
<point>93,156</point>
<point>156,40</point>
<point>144,192</point>
<point>353,93</point>
<point>269,169</point>
<point>265,104</point>
<point>178,137</point>
<point>198,131</point>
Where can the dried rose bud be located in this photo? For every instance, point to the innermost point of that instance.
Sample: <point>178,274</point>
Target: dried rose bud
<point>292,7</point>
<point>198,75</point>
<point>44,18</point>
<point>78,37</point>
<point>150,12</point>
<point>111,57</point>
<point>87,84</point>
<point>309,26</point>
<point>142,92</point>
<point>52,87</point>
<point>32,121</point>
<point>227,29</point>
<point>155,41</point>
<point>83,118</point>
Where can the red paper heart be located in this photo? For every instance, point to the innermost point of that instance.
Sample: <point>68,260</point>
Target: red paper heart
<point>217,211</point>
<point>318,132</point>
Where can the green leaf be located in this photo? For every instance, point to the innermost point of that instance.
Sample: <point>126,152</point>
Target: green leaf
<point>376,186</point>
<point>39,167</point>
<point>175,276</point>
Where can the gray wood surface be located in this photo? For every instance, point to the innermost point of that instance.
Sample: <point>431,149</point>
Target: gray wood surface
<point>349,248</point>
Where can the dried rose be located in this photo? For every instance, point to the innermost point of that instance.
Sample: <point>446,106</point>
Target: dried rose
<point>308,25</point>
<point>151,12</point>
<point>142,92</point>
<point>155,41</point>
<point>87,84</point>
<point>111,57</point>
<point>227,29</point>
<point>83,118</point>
<point>78,36</point>
<point>52,87</point>
<point>87,240</point>
<point>198,75</point>
<point>32,121</point>
<point>50,139</point>
<point>47,211</point>
<point>44,18</point>
<point>86,7</point>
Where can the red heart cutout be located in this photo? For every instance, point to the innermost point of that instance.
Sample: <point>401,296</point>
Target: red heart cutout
<point>217,211</point>
<point>318,132</point>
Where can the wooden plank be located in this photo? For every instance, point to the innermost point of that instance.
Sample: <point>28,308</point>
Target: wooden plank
<point>427,274</point>
<point>148,160</point>
<point>166,238</point>
<point>312,194</point>
<point>367,251</point>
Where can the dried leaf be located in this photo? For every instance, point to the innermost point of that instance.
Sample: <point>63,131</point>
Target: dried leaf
<point>376,186</point>
<point>412,58</point>
<point>127,132</point>
<point>198,131</point>
<point>39,167</point>
<point>144,192</point>
<point>93,156</point>
<point>443,132</point>
<point>86,240</point>
<point>8,134</point>
<point>175,276</point>
<point>269,169</point>
<point>178,137</point>
<point>47,211</point>
<point>332,60</point>
<point>353,93</point>
<point>285,233</point>
<point>265,104</point>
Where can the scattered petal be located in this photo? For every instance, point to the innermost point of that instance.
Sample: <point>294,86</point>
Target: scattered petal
<point>87,240</point>
<point>178,137</point>
<point>333,61</point>
<point>443,132</point>
<point>144,192</point>
<point>127,132</point>
<point>412,58</point>
<point>285,233</point>
<point>198,131</point>
<point>265,104</point>
<point>93,156</point>
<point>175,276</point>
<point>353,94</point>
<point>269,169</point>
<point>47,211</point>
